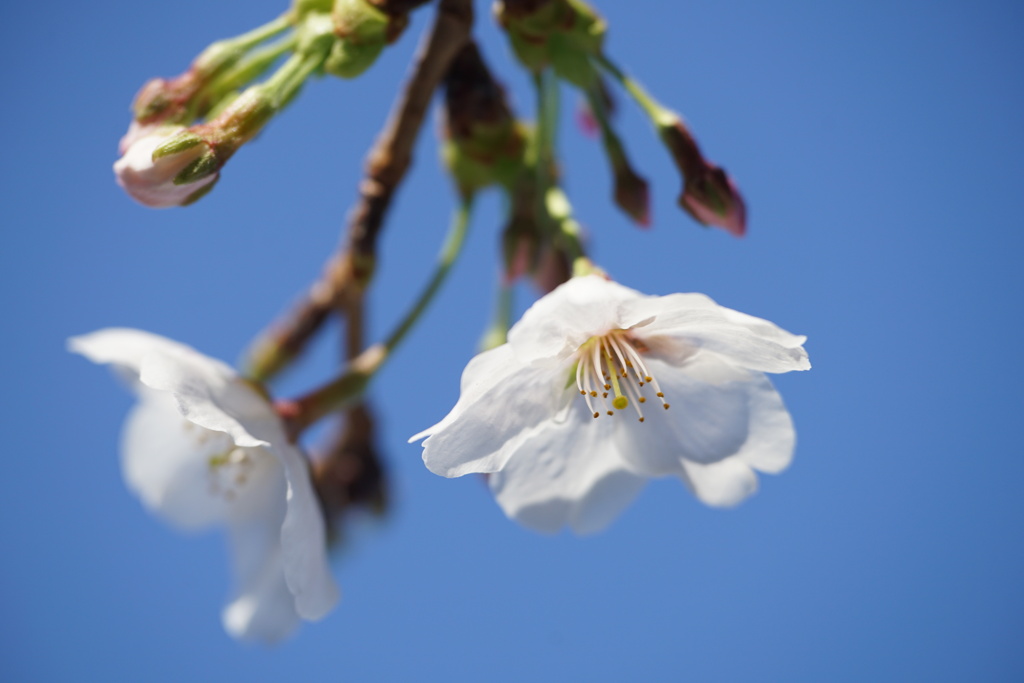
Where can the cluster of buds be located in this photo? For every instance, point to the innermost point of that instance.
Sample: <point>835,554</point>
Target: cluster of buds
<point>184,129</point>
<point>568,36</point>
<point>485,146</point>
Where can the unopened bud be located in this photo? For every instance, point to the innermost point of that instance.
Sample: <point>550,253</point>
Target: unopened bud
<point>363,29</point>
<point>154,180</point>
<point>709,194</point>
<point>562,33</point>
<point>553,268</point>
<point>520,247</point>
<point>485,143</point>
<point>166,100</point>
<point>350,472</point>
<point>712,199</point>
<point>632,195</point>
<point>175,166</point>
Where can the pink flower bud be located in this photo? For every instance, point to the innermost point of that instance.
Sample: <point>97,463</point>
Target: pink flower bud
<point>158,181</point>
<point>709,194</point>
<point>712,199</point>
<point>632,195</point>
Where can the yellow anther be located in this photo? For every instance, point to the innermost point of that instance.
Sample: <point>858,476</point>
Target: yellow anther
<point>642,399</point>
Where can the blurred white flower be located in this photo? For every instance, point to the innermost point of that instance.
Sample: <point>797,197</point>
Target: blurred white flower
<point>600,386</point>
<point>168,180</point>
<point>203,448</point>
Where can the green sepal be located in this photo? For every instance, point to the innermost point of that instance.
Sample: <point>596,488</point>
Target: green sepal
<point>588,28</point>
<point>530,53</point>
<point>571,63</point>
<point>184,140</point>
<point>203,167</point>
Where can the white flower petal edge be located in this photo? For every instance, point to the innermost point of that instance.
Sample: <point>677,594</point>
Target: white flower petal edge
<point>203,448</point>
<point>671,386</point>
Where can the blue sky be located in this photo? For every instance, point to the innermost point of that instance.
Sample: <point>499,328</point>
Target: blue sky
<point>881,152</point>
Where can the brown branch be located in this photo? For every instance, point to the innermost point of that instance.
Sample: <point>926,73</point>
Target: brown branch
<point>391,156</point>
<point>349,272</point>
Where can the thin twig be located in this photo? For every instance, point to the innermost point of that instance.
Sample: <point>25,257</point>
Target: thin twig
<point>350,270</point>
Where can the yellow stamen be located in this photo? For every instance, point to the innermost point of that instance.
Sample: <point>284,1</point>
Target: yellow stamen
<point>603,361</point>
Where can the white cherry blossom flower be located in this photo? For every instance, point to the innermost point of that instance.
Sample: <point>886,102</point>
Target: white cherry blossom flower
<point>157,182</point>
<point>600,387</point>
<point>202,448</point>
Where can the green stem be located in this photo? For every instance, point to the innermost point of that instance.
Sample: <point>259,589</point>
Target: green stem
<point>613,146</point>
<point>249,68</point>
<point>567,229</point>
<point>260,33</point>
<point>547,120</point>
<point>657,113</point>
<point>497,333</point>
<point>287,80</point>
<point>454,240</point>
<point>223,53</point>
<point>347,388</point>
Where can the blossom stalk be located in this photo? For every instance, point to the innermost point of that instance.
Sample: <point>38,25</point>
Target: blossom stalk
<point>631,192</point>
<point>709,195</point>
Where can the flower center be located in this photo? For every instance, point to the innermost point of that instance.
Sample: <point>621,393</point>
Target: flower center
<point>228,473</point>
<point>228,467</point>
<point>612,363</point>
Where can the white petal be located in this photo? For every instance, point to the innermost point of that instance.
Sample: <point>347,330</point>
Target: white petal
<point>304,539</point>
<point>723,422</point>
<point>262,608</point>
<point>708,419</point>
<point>123,347</point>
<point>765,328</point>
<point>501,406</point>
<point>483,372</point>
<point>567,474</point>
<point>560,322</point>
<point>771,439</point>
<point>209,393</point>
<point>696,322</point>
<point>721,484</point>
